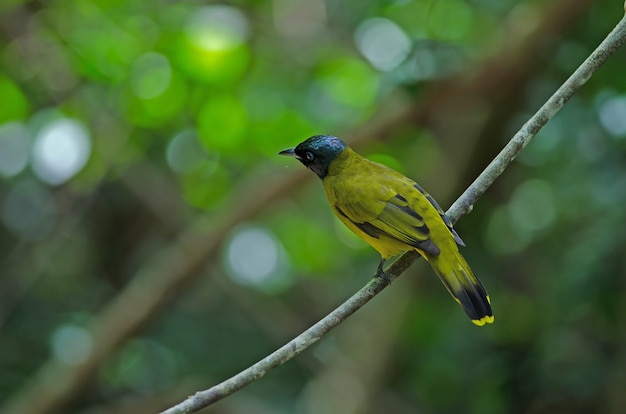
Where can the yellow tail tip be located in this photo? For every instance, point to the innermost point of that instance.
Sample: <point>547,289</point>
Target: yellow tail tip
<point>482,321</point>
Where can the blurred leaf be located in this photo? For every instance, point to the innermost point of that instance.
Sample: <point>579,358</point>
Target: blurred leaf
<point>222,124</point>
<point>15,104</point>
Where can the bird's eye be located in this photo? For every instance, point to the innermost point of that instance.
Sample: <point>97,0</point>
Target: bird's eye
<point>309,156</point>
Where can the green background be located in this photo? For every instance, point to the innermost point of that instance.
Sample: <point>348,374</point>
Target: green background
<point>153,243</point>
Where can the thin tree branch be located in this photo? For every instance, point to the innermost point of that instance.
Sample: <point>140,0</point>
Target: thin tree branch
<point>461,206</point>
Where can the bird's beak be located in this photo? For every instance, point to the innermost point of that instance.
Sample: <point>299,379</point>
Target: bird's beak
<point>289,152</point>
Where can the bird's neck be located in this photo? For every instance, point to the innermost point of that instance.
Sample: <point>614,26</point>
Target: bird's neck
<point>346,161</point>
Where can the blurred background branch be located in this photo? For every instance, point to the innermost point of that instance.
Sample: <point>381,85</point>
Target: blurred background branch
<point>131,98</point>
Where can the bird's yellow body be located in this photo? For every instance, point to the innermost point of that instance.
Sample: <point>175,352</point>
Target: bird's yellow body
<point>393,214</point>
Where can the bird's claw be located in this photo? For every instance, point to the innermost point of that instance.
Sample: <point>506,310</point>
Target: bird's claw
<point>380,273</point>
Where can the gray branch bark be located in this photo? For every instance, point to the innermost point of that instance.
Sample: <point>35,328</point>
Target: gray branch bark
<point>461,206</point>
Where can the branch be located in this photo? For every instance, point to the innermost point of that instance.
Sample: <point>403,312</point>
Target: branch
<point>462,206</point>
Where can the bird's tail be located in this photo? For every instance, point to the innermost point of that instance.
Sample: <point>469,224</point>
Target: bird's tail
<point>463,285</point>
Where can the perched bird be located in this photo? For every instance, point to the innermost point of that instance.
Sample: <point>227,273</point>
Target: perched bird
<point>393,214</point>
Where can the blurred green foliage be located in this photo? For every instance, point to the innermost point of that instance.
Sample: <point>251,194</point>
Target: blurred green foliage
<point>123,123</point>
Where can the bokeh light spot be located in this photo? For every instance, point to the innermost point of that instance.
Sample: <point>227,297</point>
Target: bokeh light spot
<point>344,92</point>
<point>222,124</point>
<point>157,97</point>
<point>501,237</point>
<point>383,43</point>
<point>422,65</point>
<point>14,103</point>
<point>28,209</point>
<point>71,344</point>
<point>213,47</point>
<point>184,152</point>
<point>532,207</point>
<point>612,114</point>
<point>206,184</point>
<point>151,75</point>
<point>349,82</point>
<point>61,150</point>
<point>14,148</point>
<point>218,27</point>
<point>450,19</point>
<point>255,257</point>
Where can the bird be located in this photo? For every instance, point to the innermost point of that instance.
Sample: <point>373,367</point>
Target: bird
<point>393,214</point>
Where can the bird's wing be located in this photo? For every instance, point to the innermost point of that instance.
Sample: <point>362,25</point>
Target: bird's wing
<point>443,215</point>
<point>390,214</point>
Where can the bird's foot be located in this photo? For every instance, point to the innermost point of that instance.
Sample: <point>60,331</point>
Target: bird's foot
<point>380,273</point>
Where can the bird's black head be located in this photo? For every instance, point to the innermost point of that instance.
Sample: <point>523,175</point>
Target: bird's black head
<point>317,152</point>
